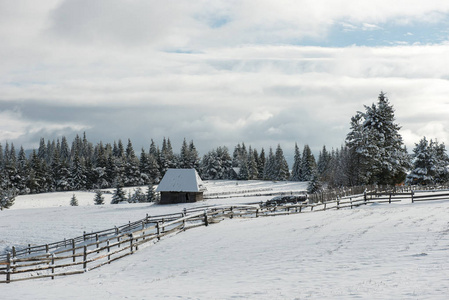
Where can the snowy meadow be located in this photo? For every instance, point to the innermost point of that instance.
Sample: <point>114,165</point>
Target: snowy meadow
<point>377,251</point>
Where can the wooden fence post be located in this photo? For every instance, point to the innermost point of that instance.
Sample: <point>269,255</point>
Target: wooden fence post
<point>84,235</point>
<point>53,265</point>
<point>389,199</point>
<point>183,221</point>
<point>29,248</point>
<point>338,203</point>
<point>109,250</point>
<point>131,243</point>
<point>85,258</point>
<point>13,251</point>
<point>158,230</point>
<point>73,250</point>
<point>206,221</point>
<point>8,267</point>
<point>96,240</point>
<point>257,213</point>
<point>232,213</point>
<point>412,193</point>
<point>364,196</point>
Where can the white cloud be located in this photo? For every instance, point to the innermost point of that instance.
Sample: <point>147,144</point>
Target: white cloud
<point>244,78</point>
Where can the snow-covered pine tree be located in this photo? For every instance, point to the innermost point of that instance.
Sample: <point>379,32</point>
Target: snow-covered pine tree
<point>153,168</point>
<point>314,184</point>
<point>138,196</point>
<point>73,201</point>
<point>166,157</point>
<point>243,174</point>
<point>296,170</point>
<point>308,164</point>
<point>376,144</point>
<point>151,194</point>
<point>22,171</point>
<point>261,164</point>
<point>441,162</point>
<point>99,198</point>
<point>252,164</point>
<point>119,195</point>
<point>131,167</point>
<point>6,199</point>
<point>430,162</point>
<point>77,178</point>
<point>194,158</point>
<point>281,167</point>
<point>184,161</point>
<point>65,151</point>
<point>210,166</point>
<point>323,164</point>
<point>225,162</point>
<point>269,170</point>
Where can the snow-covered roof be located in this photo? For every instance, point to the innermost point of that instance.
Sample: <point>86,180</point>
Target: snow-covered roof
<point>181,180</point>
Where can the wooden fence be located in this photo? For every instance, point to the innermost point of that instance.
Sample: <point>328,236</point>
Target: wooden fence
<point>93,250</point>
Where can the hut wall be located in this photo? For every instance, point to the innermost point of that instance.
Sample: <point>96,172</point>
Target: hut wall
<point>180,197</point>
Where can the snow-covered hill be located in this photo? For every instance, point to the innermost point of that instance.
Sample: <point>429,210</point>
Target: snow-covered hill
<point>378,251</point>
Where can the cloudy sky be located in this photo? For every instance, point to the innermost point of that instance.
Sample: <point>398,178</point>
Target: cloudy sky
<point>220,72</point>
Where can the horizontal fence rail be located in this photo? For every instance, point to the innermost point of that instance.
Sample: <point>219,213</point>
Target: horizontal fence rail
<point>95,249</point>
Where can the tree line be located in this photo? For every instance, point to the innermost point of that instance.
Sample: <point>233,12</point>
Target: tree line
<point>56,166</point>
<point>373,152</point>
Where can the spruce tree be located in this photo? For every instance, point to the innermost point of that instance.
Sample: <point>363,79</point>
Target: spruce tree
<point>99,198</point>
<point>281,167</point>
<point>308,164</point>
<point>296,170</point>
<point>131,167</point>
<point>119,195</point>
<point>6,199</point>
<point>376,144</point>
<point>138,196</point>
<point>243,173</point>
<point>430,163</point>
<point>323,164</point>
<point>314,184</point>
<point>184,161</point>
<point>151,194</point>
<point>74,201</point>
<point>269,170</point>
<point>261,164</point>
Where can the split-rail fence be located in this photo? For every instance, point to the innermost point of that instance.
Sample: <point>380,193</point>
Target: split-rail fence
<point>93,250</point>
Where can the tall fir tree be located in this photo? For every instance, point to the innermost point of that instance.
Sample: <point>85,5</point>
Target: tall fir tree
<point>296,169</point>
<point>308,164</point>
<point>376,145</point>
<point>281,167</point>
<point>151,194</point>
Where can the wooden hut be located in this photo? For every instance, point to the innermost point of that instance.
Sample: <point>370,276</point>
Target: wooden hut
<point>181,186</point>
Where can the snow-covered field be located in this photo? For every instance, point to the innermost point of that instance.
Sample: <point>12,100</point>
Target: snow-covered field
<point>378,251</point>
